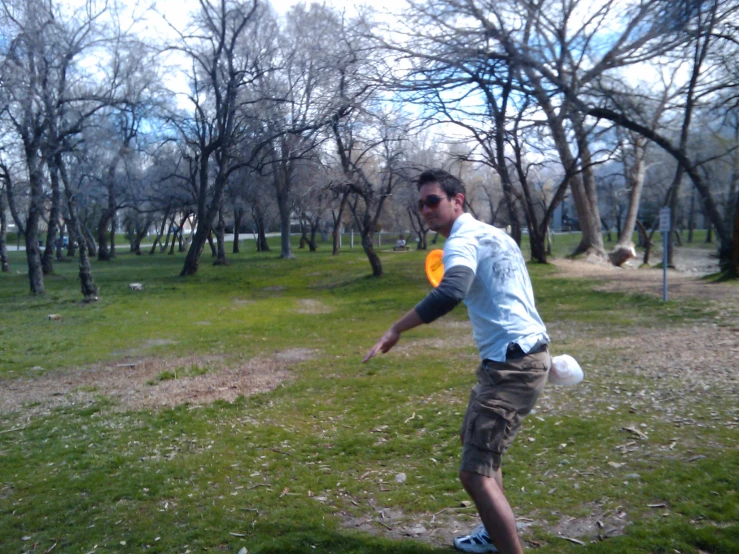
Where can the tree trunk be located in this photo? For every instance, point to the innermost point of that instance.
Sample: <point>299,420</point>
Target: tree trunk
<point>303,233</point>
<point>691,216</point>
<point>170,232</point>
<point>374,259</point>
<point>732,266</point>
<point>158,238</point>
<point>108,217</point>
<point>192,259</point>
<point>47,261</point>
<point>257,213</point>
<point>182,242</point>
<point>337,222</point>
<point>501,165</point>
<point>579,176</point>
<point>537,231</point>
<point>91,246</point>
<point>335,238</point>
<point>73,240</point>
<point>87,283</point>
<point>138,234</point>
<point>220,240</point>
<point>421,242</point>
<point>673,205</point>
<point>636,177</point>
<point>179,235</point>
<point>312,240</point>
<point>647,237</point>
<point>584,193</point>
<point>3,233</point>
<point>284,209</point>
<point>418,227</point>
<point>59,242</point>
<point>238,216</point>
<point>113,230</point>
<point>730,261</point>
<point>261,231</point>
<point>205,217</point>
<point>537,234</point>
<point>102,233</point>
<point>592,240</point>
<point>538,243</point>
<point>33,255</point>
<point>213,249</point>
<point>262,244</point>
<point>175,234</point>
<point>206,214</point>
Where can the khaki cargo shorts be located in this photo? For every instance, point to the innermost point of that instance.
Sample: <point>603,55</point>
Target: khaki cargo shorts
<point>504,394</point>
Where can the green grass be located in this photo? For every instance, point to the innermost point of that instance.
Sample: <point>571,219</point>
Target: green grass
<point>278,472</point>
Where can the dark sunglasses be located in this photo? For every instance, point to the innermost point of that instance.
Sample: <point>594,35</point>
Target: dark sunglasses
<point>431,201</point>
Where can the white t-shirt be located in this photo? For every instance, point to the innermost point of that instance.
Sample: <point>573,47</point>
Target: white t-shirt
<point>500,301</point>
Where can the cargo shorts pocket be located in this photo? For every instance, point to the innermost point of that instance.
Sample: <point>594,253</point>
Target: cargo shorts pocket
<point>486,430</point>
<point>534,364</point>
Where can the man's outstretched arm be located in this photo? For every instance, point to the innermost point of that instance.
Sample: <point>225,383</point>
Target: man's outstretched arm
<point>392,335</point>
<point>444,298</point>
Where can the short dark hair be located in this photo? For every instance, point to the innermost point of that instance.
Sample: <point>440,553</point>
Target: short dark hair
<point>448,182</point>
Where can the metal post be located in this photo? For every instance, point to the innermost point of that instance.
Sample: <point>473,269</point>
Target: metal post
<point>665,246</point>
<point>664,228</point>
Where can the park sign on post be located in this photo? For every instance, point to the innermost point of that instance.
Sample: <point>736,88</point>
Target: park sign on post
<point>664,228</point>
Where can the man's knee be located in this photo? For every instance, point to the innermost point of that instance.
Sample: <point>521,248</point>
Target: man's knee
<point>469,480</point>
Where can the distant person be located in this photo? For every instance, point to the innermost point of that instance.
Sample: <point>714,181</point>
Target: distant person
<point>484,267</point>
<point>400,243</point>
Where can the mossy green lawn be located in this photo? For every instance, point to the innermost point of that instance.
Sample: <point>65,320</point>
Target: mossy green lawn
<point>279,472</point>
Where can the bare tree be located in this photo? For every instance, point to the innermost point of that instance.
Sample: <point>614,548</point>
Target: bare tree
<point>220,68</point>
<point>23,72</point>
<point>650,29</point>
<point>339,199</point>
<point>551,51</point>
<point>301,98</point>
<point>51,91</point>
<point>370,165</point>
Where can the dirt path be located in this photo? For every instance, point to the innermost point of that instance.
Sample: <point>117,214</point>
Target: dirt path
<point>149,382</point>
<point>683,282</point>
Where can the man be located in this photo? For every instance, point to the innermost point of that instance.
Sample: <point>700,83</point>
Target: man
<point>484,267</point>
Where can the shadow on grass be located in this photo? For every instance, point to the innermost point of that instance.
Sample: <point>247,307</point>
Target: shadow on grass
<point>290,538</point>
<point>722,277</point>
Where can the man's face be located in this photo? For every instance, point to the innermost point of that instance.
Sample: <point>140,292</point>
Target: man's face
<point>438,210</point>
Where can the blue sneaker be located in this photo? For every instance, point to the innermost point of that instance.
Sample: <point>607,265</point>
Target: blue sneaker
<point>477,541</point>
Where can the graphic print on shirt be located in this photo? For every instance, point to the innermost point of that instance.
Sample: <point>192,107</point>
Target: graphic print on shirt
<point>503,262</point>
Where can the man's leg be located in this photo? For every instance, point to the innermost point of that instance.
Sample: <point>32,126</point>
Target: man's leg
<point>494,509</point>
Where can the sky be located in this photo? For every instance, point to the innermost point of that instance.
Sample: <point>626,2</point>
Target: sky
<point>178,16</point>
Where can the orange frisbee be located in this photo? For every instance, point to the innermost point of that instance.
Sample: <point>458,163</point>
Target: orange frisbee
<point>435,266</point>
